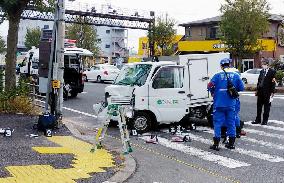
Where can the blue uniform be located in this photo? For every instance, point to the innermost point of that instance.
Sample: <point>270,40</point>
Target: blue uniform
<point>224,113</point>
<point>238,103</point>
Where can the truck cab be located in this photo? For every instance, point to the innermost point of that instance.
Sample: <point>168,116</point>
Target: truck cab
<point>165,92</point>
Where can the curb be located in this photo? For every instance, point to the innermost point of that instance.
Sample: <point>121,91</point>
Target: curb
<point>129,165</point>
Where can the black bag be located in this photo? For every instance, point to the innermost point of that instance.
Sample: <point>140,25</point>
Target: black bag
<point>232,91</point>
<point>46,121</point>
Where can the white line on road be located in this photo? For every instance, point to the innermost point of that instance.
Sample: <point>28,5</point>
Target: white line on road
<point>260,142</point>
<point>79,112</point>
<point>265,126</point>
<point>74,110</point>
<point>262,133</point>
<point>252,153</point>
<point>205,155</point>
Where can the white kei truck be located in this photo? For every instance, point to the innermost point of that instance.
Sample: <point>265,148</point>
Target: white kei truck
<point>165,92</point>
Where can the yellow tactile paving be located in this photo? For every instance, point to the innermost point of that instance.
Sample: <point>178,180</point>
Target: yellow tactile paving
<point>83,165</point>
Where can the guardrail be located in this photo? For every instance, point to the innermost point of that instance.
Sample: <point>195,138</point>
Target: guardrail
<point>37,99</point>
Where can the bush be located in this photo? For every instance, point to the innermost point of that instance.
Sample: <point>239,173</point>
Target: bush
<point>279,77</point>
<point>18,100</point>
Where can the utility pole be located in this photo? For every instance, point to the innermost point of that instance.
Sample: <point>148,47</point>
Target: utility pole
<point>59,55</point>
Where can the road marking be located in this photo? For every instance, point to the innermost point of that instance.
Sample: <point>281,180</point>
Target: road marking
<point>257,141</point>
<point>73,110</point>
<point>205,155</point>
<point>265,126</point>
<point>265,134</point>
<point>276,122</point>
<point>83,166</point>
<point>79,112</point>
<point>252,153</point>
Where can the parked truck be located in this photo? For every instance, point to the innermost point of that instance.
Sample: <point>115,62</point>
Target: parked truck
<point>166,91</point>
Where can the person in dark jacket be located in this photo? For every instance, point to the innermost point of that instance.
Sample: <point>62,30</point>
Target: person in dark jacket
<point>265,91</point>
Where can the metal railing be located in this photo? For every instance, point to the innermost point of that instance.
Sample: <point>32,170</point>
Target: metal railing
<point>37,99</point>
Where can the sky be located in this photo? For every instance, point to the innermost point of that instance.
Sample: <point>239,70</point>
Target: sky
<point>180,10</point>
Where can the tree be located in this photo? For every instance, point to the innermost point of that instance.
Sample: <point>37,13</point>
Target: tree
<point>2,45</point>
<point>243,22</point>
<point>162,34</point>
<point>85,36</point>
<point>32,37</point>
<point>13,10</point>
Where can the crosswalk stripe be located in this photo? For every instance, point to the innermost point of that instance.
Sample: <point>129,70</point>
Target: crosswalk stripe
<point>260,142</point>
<point>258,132</point>
<point>252,153</point>
<point>205,155</point>
<point>266,126</point>
<point>276,122</point>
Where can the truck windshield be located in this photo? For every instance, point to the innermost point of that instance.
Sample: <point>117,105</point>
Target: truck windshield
<point>133,74</point>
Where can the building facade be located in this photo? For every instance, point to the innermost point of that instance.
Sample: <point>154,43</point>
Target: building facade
<point>202,37</point>
<point>112,42</point>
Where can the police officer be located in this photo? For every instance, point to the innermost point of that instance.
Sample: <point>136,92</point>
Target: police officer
<point>224,105</point>
<point>237,112</point>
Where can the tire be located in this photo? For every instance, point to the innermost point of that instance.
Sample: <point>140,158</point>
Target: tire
<point>142,122</point>
<point>99,79</point>
<point>85,78</point>
<point>74,94</point>
<point>245,80</point>
<point>210,117</point>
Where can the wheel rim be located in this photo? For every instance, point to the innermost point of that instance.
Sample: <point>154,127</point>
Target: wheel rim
<point>140,123</point>
<point>99,79</point>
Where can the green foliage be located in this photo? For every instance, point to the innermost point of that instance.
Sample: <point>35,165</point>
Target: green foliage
<point>32,37</point>
<point>1,80</point>
<point>162,34</point>
<point>243,23</point>
<point>85,36</point>
<point>2,45</point>
<point>279,75</point>
<point>17,100</point>
<point>276,64</point>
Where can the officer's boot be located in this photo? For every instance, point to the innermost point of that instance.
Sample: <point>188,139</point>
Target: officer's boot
<point>238,132</point>
<point>231,144</point>
<point>215,146</point>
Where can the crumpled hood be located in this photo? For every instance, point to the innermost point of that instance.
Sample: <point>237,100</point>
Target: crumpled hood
<point>119,90</point>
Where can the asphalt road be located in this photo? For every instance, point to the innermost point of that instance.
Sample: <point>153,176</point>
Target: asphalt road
<point>259,156</point>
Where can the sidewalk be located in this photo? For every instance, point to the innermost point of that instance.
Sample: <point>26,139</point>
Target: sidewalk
<point>61,158</point>
<point>250,87</point>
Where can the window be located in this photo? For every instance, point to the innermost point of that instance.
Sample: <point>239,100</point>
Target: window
<point>213,33</point>
<point>107,31</point>
<point>107,46</point>
<point>252,71</point>
<point>95,68</point>
<point>168,77</point>
<point>46,27</point>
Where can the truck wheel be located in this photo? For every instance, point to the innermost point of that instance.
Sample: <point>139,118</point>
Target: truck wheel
<point>99,79</point>
<point>210,117</point>
<point>142,122</point>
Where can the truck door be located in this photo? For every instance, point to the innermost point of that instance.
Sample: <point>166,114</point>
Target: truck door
<point>198,78</point>
<point>167,94</point>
